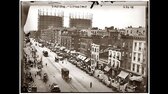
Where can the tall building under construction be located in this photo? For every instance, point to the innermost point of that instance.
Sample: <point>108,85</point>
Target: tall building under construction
<point>80,21</point>
<point>50,18</point>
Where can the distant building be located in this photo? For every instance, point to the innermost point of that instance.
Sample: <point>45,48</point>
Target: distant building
<point>70,39</point>
<point>99,32</point>
<point>45,19</point>
<point>85,33</point>
<point>135,31</point>
<point>80,22</point>
<point>47,35</point>
<point>57,35</point>
<point>115,39</point>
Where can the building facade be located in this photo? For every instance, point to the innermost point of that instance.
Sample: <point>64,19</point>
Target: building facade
<point>114,61</point>
<point>139,56</point>
<point>57,35</point>
<point>115,39</point>
<point>126,56</point>
<point>94,55</point>
<point>70,39</point>
<point>48,35</point>
<point>135,31</point>
<point>134,54</point>
<point>66,41</point>
<point>85,46</point>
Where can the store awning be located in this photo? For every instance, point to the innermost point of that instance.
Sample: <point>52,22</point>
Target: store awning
<point>61,48</point>
<point>72,52</point>
<point>68,51</point>
<point>87,59</point>
<point>136,78</point>
<point>83,58</point>
<point>123,74</point>
<point>107,68</point>
<point>79,56</point>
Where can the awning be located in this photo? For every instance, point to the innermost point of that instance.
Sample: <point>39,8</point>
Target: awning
<point>79,56</point>
<point>61,48</point>
<point>123,74</point>
<point>136,78</point>
<point>72,52</point>
<point>68,51</point>
<point>87,59</point>
<point>107,68</point>
<point>83,58</point>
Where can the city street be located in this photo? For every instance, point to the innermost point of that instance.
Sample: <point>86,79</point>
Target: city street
<point>80,80</point>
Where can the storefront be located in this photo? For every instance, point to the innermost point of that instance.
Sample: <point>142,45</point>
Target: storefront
<point>87,64</point>
<point>107,69</point>
<point>135,84</point>
<point>123,77</point>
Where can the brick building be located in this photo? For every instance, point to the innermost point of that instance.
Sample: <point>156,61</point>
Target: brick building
<point>70,39</point>
<point>85,46</point>
<point>134,54</point>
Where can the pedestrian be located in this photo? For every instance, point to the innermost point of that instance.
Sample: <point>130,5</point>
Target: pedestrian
<point>90,84</point>
<point>35,75</point>
<point>46,64</point>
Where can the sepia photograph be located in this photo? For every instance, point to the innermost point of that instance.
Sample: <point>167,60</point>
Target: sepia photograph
<point>84,46</point>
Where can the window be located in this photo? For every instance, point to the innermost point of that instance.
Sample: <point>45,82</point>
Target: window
<point>139,57</point>
<point>134,56</point>
<point>144,46</point>
<point>140,44</point>
<point>130,56</point>
<point>138,68</point>
<point>123,44</point>
<point>122,53</point>
<point>143,31</point>
<point>135,46</point>
<point>117,56</point>
<point>110,55</point>
<point>133,67</point>
<point>97,57</point>
<point>142,70</point>
<point>110,62</point>
<point>92,49</point>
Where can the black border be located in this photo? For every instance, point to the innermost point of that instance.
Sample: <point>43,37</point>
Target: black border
<point>11,60</point>
<point>10,47</point>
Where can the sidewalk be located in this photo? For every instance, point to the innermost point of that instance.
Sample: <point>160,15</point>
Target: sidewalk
<point>41,86</point>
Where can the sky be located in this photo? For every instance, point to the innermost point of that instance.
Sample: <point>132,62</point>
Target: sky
<point>104,16</point>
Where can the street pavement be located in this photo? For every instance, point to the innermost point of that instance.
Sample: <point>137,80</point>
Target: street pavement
<point>80,80</point>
